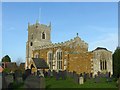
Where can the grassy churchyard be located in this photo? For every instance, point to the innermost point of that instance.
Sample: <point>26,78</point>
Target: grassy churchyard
<point>57,80</point>
<point>69,83</point>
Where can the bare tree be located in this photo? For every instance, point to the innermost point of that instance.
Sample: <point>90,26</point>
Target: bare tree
<point>18,61</point>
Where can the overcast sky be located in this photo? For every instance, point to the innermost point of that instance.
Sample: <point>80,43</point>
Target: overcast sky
<point>96,23</point>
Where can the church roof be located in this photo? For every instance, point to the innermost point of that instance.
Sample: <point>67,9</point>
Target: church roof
<point>98,48</point>
<point>101,48</point>
<point>40,63</point>
<point>11,65</point>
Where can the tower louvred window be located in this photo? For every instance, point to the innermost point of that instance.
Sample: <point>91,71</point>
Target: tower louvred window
<point>31,44</point>
<point>43,35</point>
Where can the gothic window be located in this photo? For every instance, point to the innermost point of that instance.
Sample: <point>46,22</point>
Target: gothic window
<point>103,65</point>
<point>59,59</point>
<point>50,60</point>
<point>100,64</point>
<point>43,35</point>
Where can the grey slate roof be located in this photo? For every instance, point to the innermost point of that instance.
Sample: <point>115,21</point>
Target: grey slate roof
<point>11,65</point>
<point>98,48</point>
<point>40,63</point>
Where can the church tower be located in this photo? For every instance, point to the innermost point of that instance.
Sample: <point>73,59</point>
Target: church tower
<point>38,35</point>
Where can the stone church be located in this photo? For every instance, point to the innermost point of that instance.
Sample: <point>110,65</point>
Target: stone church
<point>71,55</point>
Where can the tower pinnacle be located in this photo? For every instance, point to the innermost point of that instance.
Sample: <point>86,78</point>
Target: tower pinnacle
<point>50,24</point>
<point>77,34</point>
<point>37,21</point>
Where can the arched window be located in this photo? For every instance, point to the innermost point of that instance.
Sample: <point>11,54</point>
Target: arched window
<point>59,59</point>
<point>100,65</point>
<point>103,65</point>
<point>43,35</point>
<point>31,44</point>
<point>50,59</point>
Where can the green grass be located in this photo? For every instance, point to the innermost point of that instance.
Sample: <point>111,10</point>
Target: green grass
<point>69,83</point>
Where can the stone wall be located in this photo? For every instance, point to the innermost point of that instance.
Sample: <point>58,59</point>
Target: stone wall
<point>74,57</point>
<point>80,63</point>
<point>102,55</point>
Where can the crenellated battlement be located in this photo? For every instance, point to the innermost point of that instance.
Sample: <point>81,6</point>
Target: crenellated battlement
<point>67,43</point>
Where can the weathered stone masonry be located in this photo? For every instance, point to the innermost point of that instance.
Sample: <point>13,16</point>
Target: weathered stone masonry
<point>72,55</point>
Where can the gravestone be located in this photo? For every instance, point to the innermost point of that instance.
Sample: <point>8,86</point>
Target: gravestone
<point>18,76</point>
<point>57,75</point>
<point>46,74</point>
<point>8,80</point>
<point>77,79</point>
<point>34,82</point>
<point>85,76</point>
<point>63,75</point>
<point>71,74</point>
<point>97,79</point>
<point>67,74</point>
<point>54,73</point>
<point>91,75</point>
<point>26,74</point>
<point>4,84</point>
<point>81,80</point>
<point>49,72</point>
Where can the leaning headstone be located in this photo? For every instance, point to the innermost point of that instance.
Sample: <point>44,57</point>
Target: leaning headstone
<point>49,72</point>
<point>4,84</point>
<point>34,82</point>
<point>18,76</point>
<point>54,73</point>
<point>67,74</point>
<point>75,78</point>
<point>97,79</point>
<point>26,74</point>
<point>81,80</point>
<point>46,73</point>
<point>8,80</point>
<point>107,76</point>
<point>91,75</point>
<point>63,75</point>
<point>85,76</point>
<point>57,76</point>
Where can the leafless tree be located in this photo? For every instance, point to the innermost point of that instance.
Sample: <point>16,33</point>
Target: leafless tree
<point>18,61</point>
